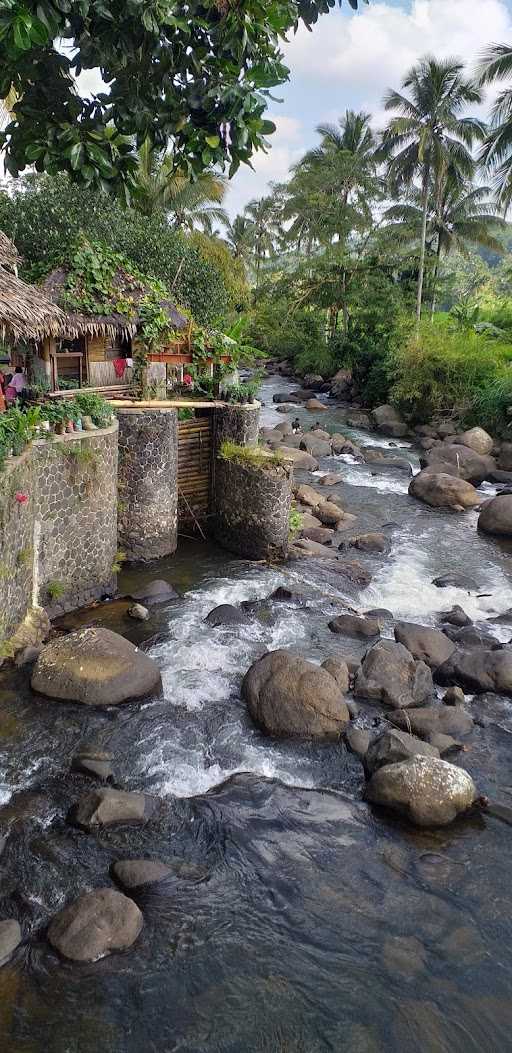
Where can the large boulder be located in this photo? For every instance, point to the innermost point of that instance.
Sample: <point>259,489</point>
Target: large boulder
<point>96,924</point>
<point>287,696</point>
<point>157,591</point>
<point>470,465</point>
<point>96,667</point>
<point>389,674</point>
<point>393,746</point>
<point>315,406</point>
<point>332,515</point>
<point>496,516</point>
<point>315,446</point>
<point>475,439</point>
<point>388,420</point>
<point>313,381</point>
<point>440,490</point>
<point>352,625</point>
<point>428,791</point>
<point>338,669</point>
<point>299,458</point>
<point>307,495</point>
<point>341,383</point>
<point>10,939</point>
<point>428,645</point>
<point>371,542</point>
<point>436,719</point>
<point>505,457</point>
<point>455,616</point>
<point>478,670</point>
<point>226,614</point>
<point>341,444</point>
<point>285,396</point>
<point>106,807</point>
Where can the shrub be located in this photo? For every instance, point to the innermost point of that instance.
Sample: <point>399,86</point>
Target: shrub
<point>250,456</point>
<point>297,335</point>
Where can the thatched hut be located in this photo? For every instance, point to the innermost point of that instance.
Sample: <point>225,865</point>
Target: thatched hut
<point>96,348</point>
<point>25,312</point>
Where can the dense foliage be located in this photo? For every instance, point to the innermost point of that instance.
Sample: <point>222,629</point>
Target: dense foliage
<point>197,73</point>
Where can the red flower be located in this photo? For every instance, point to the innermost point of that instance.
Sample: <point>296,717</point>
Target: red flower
<point>187,379</point>
<point>21,498</point>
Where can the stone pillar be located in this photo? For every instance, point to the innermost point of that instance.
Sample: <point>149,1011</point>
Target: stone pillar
<point>252,509</point>
<point>238,424</point>
<point>148,483</point>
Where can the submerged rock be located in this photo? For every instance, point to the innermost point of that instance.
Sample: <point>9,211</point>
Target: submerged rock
<point>389,674</point>
<point>131,873</point>
<point>94,763</point>
<point>428,791</point>
<point>105,807</point>
<point>428,645</point>
<point>154,592</point>
<point>372,542</point>
<point>393,746</point>
<point>226,614</point>
<point>96,667</point>
<point>287,696</point>
<point>138,612</point>
<point>95,925</point>
<point>10,939</point>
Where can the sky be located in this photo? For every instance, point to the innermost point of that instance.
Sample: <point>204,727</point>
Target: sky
<point>348,62</point>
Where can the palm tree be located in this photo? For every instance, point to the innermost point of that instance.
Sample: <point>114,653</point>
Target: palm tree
<point>159,187</point>
<point>427,135</point>
<point>496,65</point>
<point>461,216</point>
<point>263,229</point>
<point>238,237</point>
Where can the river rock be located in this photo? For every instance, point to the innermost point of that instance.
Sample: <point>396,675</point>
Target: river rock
<point>287,696</point>
<point>428,791</point>
<point>470,465</point>
<point>10,939</point>
<point>478,670</point>
<point>307,495</point>
<point>426,644</point>
<point>392,746</point>
<point>225,614</point>
<point>352,625</point>
<point>472,636</point>
<point>313,381</point>
<point>96,667</point>
<point>454,696</point>
<point>285,407</point>
<point>359,420</point>
<point>315,446</point>
<point>96,924</point>
<point>132,873</point>
<point>341,383</point>
<point>157,591</point>
<point>352,571</point>
<point>331,515</point>
<point>309,522</point>
<point>303,548</point>
<point>429,720</point>
<point>314,406</point>
<point>427,430</point>
<point>303,394</point>
<point>476,439</point>
<point>455,616</point>
<point>94,763</point>
<point>444,743</point>
<point>505,457</point>
<point>299,458</point>
<point>331,479</point>
<point>138,612</point>
<point>496,516</point>
<point>342,444</point>
<point>338,669</point>
<point>105,807</point>
<point>389,674</point>
<point>388,420</point>
<point>284,427</point>
<point>322,535</point>
<point>440,490</point>
<point>285,396</point>
<point>358,741</point>
<point>371,542</point>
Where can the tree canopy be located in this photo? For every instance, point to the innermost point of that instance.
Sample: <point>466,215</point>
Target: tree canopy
<point>193,74</point>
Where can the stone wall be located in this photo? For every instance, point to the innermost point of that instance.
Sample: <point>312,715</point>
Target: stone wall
<point>58,525</point>
<point>238,424</point>
<point>252,509</point>
<point>148,483</point>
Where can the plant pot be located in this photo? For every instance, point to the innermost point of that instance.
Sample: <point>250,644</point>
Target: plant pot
<point>59,427</point>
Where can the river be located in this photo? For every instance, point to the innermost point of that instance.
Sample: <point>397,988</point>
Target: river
<point>311,922</point>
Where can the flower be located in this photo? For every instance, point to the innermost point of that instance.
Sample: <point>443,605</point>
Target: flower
<point>21,498</point>
<point>187,379</point>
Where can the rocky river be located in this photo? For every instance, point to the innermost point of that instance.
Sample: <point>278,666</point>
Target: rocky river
<point>294,917</point>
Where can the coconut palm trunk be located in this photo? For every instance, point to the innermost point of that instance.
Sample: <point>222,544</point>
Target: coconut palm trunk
<point>423,241</point>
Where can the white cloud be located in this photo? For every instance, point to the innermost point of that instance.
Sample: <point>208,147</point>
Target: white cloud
<point>272,167</point>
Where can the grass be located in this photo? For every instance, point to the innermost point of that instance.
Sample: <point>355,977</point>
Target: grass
<point>55,589</point>
<point>250,456</point>
<point>119,559</point>
<point>295,521</point>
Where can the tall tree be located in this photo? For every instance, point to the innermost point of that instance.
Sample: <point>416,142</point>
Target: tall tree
<point>188,204</point>
<point>496,65</point>
<point>195,74</point>
<point>263,229</point>
<point>238,237</point>
<point>428,134</point>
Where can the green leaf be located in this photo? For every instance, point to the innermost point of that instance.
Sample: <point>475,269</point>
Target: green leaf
<point>76,156</point>
<point>213,141</point>
<point>267,127</point>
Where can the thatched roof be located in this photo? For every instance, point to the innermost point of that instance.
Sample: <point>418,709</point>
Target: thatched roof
<point>9,255</point>
<point>127,288</point>
<point>25,313</point>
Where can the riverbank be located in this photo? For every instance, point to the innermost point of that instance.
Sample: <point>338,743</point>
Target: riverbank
<point>319,923</point>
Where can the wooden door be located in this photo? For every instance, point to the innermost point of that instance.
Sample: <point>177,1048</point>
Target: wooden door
<point>194,472</point>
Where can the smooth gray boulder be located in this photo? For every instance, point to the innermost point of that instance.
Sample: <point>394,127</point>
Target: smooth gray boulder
<point>372,542</point>
<point>287,696</point>
<point>96,667</point>
<point>95,925</point>
<point>299,458</point>
<point>455,616</point>
<point>478,670</point>
<point>426,644</point>
<point>10,939</point>
<point>154,592</point>
<point>393,746</point>
<point>389,674</point>
<point>436,719</point>
<point>428,791</point>
<point>388,420</point>
<point>352,625</point>
<point>131,873</point>
<point>226,614</point>
<point>496,516</point>
<point>106,807</point>
<point>358,741</point>
<point>315,446</point>
<point>470,465</point>
<point>440,490</point>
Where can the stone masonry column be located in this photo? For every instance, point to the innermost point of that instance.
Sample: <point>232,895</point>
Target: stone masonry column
<point>238,424</point>
<point>148,483</point>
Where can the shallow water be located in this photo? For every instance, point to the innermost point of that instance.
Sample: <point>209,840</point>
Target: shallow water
<point>320,924</point>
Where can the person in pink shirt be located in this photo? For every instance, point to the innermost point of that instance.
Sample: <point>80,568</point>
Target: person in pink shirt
<point>16,385</point>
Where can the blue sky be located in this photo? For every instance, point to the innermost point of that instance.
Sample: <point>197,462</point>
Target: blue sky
<point>350,59</point>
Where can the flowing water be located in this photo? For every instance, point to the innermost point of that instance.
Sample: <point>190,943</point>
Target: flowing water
<point>313,923</point>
